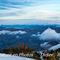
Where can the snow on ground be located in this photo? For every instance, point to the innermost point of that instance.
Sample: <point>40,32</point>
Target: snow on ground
<point>9,57</point>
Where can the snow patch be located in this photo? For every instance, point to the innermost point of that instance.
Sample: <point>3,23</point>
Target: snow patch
<point>10,57</point>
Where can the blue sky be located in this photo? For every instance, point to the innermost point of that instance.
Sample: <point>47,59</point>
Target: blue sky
<point>29,11</point>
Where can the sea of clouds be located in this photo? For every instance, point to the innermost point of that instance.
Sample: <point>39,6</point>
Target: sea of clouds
<point>50,37</point>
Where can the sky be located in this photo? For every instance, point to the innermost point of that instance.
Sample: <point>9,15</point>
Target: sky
<point>29,11</point>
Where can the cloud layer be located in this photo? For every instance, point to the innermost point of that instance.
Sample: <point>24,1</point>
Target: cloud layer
<point>55,47</point>
<point>49,35</point>
<point>51,39</point>
<point>28,9</point>
<point>12,32</point>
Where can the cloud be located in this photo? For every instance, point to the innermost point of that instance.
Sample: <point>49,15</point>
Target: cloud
<point>45,45</point>
<point>33,12</point>
<point>55,47</point>
<point>36,35</point>
<point>50,35</point>
<point>12,32</point>
<point>28,9</point>
<point>50,38</point>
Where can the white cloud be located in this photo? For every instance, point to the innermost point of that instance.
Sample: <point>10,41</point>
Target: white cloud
<point>41,12</point>
<point>49,35</point>
<point>12,32</point>
<point>45,45</point>
<point>36,35</point>
<point>55,47</point>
